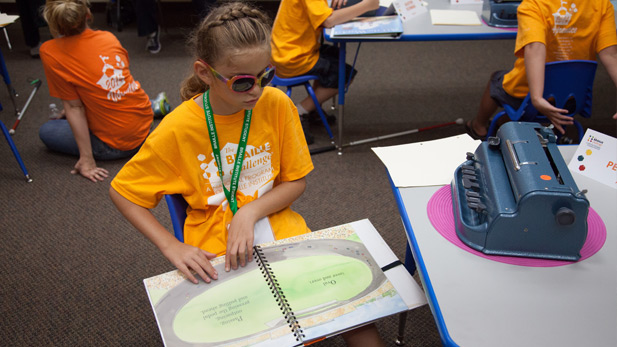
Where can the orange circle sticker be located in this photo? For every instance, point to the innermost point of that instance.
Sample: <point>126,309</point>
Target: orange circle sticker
<point>545,177</point>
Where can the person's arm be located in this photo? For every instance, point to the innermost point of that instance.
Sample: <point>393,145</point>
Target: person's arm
<point>608,57</point>
<point>241,231</point>
<point>75,113</point>
<point>182,256</point>
<point>348,13</point>
<point>535,60</point>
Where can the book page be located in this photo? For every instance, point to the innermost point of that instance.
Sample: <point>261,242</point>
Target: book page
<point>238,309</point>
<point>329,278</point>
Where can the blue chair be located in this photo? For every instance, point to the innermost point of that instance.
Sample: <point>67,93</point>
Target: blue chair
<point>305,81</point>
<point>5,131</point>
<point>177,211</point>
<point>563,81</point>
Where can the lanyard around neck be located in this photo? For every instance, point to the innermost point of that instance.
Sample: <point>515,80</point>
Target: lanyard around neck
<point>216,151</point>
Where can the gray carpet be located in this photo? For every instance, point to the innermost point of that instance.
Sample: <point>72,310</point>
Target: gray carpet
<point>71,267</point>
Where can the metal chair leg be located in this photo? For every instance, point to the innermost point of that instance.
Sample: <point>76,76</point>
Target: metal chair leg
<point>402,321</point>
<point>5,131</point>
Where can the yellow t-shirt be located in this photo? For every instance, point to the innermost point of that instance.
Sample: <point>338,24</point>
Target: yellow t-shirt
<point>177,159</point>
<point>295,35</point>
<point>94,67</point>
<point>576,29</point>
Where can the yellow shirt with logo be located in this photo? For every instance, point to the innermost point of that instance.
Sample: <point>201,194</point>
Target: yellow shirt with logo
<point>177,159</point>
<point>570,30</point>
<point>295,35</point>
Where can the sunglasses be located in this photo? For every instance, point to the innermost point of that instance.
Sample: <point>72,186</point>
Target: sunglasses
<point>245,83</point>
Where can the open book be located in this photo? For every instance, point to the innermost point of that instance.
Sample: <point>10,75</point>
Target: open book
<point>295,291</point>
<point>378,27</point>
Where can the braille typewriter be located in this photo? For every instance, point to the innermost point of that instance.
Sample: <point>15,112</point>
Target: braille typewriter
<point>516,197</point>
<point>500,13</point>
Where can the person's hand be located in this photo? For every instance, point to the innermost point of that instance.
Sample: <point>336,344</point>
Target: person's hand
<point>240,236</point>
<point>186,258</point>
<point>557,116</point>
<point>615,116</point>
<point>336,4</point>
<point>87,168</point>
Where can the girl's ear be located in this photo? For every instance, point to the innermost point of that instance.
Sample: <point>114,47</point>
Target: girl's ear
<point>202,72</point>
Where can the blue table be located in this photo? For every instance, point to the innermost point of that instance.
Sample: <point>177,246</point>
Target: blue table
<point>480,302</point>
<point>418,28</point>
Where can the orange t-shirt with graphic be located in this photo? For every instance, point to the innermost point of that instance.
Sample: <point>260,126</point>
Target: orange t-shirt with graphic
<point>295,35</point>
<point>177,158</point>
<point>94,68</point>
<point>570,30</point>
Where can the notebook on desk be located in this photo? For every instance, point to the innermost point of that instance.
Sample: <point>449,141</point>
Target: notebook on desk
<point>380,27</point>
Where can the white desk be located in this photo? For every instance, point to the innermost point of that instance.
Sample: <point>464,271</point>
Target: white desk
<point>480,302</point>
<point>418,28</point>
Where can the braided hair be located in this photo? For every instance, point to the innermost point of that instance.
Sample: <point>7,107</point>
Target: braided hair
<point>230,27</point>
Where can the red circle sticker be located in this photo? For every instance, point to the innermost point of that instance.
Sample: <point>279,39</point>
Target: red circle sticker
<point>545,177</point>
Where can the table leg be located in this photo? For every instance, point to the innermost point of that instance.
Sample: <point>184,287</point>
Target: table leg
<point>341,96</point>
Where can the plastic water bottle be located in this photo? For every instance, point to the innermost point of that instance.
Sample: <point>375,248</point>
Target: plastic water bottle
<point>54,112</point>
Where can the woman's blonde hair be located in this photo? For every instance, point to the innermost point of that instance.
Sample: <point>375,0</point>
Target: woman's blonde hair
<point>229,27</point>
<point>67,17</point>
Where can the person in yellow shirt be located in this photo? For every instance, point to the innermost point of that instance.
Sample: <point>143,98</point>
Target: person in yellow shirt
<point>234,149</point>
<point>296,49</point>
<point>549,30</point>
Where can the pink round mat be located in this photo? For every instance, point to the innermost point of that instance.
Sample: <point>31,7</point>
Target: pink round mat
<point>440,214</point>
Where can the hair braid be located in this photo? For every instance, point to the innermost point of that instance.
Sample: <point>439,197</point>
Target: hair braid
<point>231,26</point>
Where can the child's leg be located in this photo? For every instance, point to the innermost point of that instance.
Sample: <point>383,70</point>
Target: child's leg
<point>488,106</point>
<point>321,93</point>
<point>365,336</point>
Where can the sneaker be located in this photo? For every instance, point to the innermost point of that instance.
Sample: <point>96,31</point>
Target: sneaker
<point>314,118</point>
<point>34,51</point>
<point>160,105</point>
<point>154,43</point>
<point>304,120</point>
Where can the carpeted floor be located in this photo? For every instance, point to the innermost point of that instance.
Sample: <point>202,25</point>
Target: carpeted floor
<point>71,267</point>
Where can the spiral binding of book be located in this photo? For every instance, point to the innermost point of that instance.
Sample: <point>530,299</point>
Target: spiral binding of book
<point>279,296</point>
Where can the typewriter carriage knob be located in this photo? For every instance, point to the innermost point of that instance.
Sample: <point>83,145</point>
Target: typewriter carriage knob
<point>493,141</point>
<point>565,216</point>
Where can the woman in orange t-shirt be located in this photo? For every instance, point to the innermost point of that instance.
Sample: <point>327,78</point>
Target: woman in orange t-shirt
<point>108,115</point>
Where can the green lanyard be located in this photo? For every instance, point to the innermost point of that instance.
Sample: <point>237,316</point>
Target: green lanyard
<point>216,151</point>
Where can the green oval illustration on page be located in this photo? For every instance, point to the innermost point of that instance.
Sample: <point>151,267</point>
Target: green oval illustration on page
<point>325,281</point>
<point>311,278</point>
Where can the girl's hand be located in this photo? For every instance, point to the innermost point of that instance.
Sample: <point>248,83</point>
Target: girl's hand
<point>557,116</point>
<point>240,236</point>
<point>87,168</point>
<point>186,258</point>
<point>336,4</point>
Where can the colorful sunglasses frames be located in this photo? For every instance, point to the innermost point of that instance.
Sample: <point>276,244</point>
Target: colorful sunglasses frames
<point>245,83</point>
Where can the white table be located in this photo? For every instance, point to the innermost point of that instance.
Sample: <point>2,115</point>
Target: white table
<point>480,302</point>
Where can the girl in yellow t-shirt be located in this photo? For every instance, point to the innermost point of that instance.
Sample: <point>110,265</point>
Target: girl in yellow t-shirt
<point>549,30</point>
<point>230,122</point>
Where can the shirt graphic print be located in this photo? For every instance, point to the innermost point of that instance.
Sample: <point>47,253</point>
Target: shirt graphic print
<point>256,175</point>
<point>112,79</point>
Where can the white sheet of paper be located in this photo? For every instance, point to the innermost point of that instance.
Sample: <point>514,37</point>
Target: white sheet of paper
<point>263,231</point>
<point>426,163</point>
<point>596,158</point>
<point>454,17</point>
<point>7,18</point>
